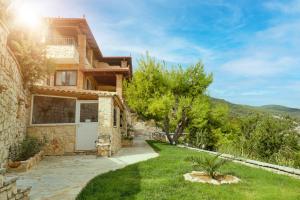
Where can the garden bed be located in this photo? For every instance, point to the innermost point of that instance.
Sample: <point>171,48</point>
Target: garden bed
<point>202,177</point>
<point>127,141</point>
<point>23,166</point>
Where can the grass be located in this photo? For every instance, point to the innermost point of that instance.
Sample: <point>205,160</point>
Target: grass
<point>162,178</point>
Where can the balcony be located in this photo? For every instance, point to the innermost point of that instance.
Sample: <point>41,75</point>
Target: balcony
<point>63,50</point>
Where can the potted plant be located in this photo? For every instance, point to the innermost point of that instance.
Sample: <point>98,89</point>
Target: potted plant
<point>127,141</point>
<point>25,154</point>
<point>13,156</point>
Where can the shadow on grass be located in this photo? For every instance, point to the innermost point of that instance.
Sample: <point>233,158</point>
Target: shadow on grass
<point>155,146</point>
<point>115,185</point>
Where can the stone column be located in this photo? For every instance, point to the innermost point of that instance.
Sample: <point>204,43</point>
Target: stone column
<point>119,85</point>
<point>90,56</point>
<point>82,49</point>
<point>80,80</point>
<point>82,56</point>
<point>116,133</point>
<point>52,79</point>
<point>124,63</point>
<point>105,125</point>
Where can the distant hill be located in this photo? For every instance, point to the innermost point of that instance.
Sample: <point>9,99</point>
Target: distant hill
<point>240,110</point>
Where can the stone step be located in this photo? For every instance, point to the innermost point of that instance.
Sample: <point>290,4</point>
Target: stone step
<point>10,180</point>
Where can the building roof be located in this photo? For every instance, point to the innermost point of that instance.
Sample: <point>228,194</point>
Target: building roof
<point>126,71</point>
<point>116,60</point>
<point>78,93</point>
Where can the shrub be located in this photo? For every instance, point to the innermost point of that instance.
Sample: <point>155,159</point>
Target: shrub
<point>209,164</point>
<point>26,149</point>
<point>127,137</point>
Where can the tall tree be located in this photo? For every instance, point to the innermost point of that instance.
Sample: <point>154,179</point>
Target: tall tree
<point>31,55</point>
<point>167,95</point>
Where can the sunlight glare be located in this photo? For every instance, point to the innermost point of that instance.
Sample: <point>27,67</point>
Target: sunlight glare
<point>27,16</point>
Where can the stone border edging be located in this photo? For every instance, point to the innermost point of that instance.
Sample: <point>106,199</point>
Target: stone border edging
<point>275,168</point>
<point>28,164</point>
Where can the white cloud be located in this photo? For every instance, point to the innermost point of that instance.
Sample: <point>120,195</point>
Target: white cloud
<point>285,32</point>
<point>128,30</point>
<point>256,93</point>
<point>291,7</point>
<point>157,41</point>
<point>259,66</point>
<point>269,52</point>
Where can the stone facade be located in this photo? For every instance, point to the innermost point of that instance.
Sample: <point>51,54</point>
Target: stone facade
<point>13,99</point>
<point>116,134</point>
<point>107,129</point>
<point>60,139</point>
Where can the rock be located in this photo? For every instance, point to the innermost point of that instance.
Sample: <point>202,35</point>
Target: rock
<point>202,177</point>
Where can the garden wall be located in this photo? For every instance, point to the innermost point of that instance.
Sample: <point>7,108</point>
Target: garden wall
<point>9,190</point>
<point>13,98</point>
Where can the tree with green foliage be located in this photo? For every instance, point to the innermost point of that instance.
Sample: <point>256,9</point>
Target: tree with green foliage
<point>209,128</point>
<point>267,138</point>
<point>167,95</point>
<point>31,55</point>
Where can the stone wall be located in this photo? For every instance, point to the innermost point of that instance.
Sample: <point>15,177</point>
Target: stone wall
<point>13,99</point>
<point>106,128</point>
<point>9,190</point>
<point>60,139</point>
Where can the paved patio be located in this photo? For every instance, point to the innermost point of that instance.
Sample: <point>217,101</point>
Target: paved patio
<point>63,177</point>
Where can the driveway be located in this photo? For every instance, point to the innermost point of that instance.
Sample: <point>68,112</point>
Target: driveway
<point>63,177</point>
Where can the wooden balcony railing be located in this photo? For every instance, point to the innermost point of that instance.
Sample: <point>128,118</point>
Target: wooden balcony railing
<point>62,41</point>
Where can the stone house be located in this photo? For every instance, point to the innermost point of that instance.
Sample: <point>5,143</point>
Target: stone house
<point>79,106</point>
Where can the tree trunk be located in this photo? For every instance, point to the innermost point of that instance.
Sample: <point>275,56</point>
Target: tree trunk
<point>180,127</point>
<point>167,129</point>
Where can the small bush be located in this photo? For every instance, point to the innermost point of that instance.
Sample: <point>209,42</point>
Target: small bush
<point>127,137</point>
<point>26,149</point>
<point>209,164</point>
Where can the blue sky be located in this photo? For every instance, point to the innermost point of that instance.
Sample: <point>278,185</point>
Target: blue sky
<point>252,47</point>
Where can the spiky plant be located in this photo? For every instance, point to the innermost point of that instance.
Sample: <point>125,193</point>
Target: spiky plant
<point>209,164</point>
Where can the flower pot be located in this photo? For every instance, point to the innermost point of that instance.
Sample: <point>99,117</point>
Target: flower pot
<point>14,164</point>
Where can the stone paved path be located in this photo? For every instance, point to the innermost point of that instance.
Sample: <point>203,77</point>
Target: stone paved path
<point>63,177</point>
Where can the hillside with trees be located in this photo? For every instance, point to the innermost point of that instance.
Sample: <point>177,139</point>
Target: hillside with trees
<point>277,110</point>
<point>176,99</point>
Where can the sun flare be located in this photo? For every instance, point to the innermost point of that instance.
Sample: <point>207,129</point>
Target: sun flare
<point>27,15</point>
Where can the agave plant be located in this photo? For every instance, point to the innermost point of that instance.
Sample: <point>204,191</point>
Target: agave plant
<point>209,164</point>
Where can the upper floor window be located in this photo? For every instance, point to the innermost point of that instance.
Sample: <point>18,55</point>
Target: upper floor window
<point>66,78</point>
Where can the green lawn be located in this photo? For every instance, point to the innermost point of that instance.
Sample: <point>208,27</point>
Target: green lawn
<point>162,178</point>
